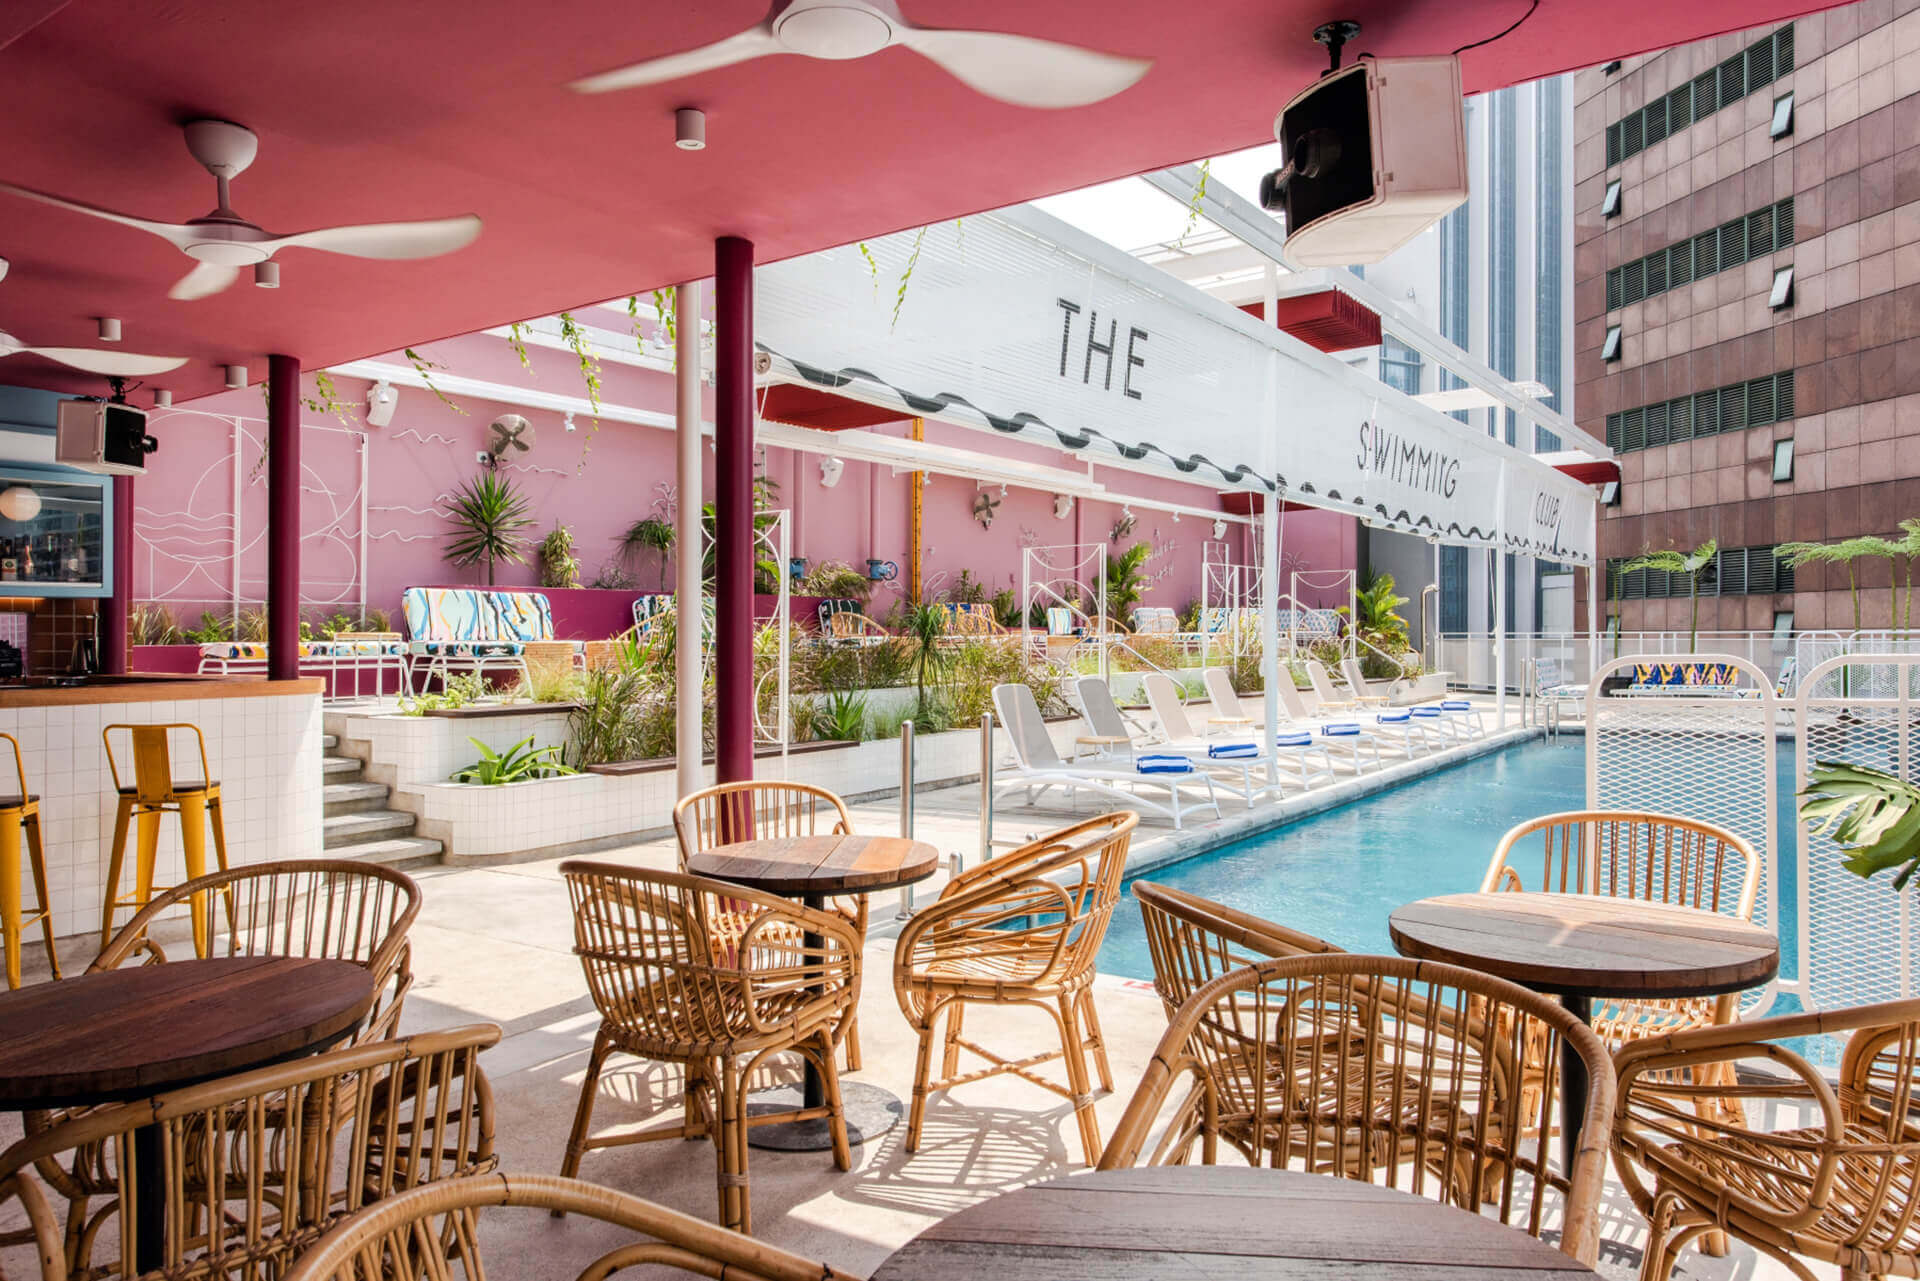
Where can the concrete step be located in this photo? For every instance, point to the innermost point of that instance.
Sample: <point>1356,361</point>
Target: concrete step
<point>354,798</point>
<point>340,769</point>
<point>400,852</point>
<point>339,830</point>
<point>329,741</point>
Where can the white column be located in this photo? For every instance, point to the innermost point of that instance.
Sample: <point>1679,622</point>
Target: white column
<point>1270,556</point>
<point>1500,602</point>
<point>688,589</point>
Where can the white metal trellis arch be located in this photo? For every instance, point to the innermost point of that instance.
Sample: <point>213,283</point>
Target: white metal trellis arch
<point>1707,756</point>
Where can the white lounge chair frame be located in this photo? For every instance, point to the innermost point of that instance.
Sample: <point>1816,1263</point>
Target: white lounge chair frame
<point>1038,766</point>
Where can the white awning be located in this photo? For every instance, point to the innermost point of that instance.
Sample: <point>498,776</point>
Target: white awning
<point>1018,324</point>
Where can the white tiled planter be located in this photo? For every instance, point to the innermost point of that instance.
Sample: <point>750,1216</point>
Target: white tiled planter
<point>544,818</point>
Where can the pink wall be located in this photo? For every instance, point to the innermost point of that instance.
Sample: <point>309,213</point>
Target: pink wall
<point>598,481</point>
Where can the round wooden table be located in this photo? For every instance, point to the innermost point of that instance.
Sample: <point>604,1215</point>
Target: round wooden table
<point>1227,1221</point>
<point>130,1033</point>
<point>1582,946</point>
<point>814,869</point>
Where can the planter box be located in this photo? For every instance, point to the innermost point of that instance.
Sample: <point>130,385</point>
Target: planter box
<point>615,805</point>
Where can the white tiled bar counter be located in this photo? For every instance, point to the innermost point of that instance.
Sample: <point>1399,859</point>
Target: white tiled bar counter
<point>263,746</point>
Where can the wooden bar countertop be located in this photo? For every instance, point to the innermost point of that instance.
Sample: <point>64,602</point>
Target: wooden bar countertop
<point>153,688</point>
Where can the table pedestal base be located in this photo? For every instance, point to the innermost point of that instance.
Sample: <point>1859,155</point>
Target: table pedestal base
<point>870,1112</point>
<point>1573,1085</point>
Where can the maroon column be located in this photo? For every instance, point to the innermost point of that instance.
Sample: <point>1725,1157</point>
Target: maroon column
<point>283,517</point>
<point>116,653</point>
<point>733,509</point>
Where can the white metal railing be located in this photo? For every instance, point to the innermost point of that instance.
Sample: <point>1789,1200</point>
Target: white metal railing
<point>1471,658</point>
<point>1706,757</point>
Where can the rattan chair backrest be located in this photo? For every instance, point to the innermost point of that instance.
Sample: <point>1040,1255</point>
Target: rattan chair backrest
<point>1660,858</point>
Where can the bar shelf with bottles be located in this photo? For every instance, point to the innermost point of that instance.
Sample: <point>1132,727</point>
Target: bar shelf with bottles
<point>54,527</point>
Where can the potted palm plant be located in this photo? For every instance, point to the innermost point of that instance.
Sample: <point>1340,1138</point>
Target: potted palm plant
<point>488,517</point>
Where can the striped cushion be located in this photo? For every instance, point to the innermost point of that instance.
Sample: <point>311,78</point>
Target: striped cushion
<point>1162,764</point>
<point>1455,705</point>
<point>1233,751</point>
<point>467,649</point>
<point>1394,718</point>
<point>1427,713</point>
<point>1340,729</point>
<point>1301,738</point>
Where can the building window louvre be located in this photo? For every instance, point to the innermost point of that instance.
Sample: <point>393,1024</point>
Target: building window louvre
<point>1782,124</point>
<point>1782,294</point>
<point>1656,273</point>
<point>1633,429</point>
<point>1656,425</point>
<point>1680,264</point>
<point>1759,233</point>
<point>1614,155</point>
<point>1613,289</point>
<point>1760,402</point>
<point>1783,223</point>
<point>1733,571</point>
<point>1783,395</point>
<point>1680,419</point>
<point>1783,461</point>
<point>1680,108</point>
<point>1610,203</point>
<point>1655,114</point>
<point>1760,64</point>
<point>1706,413</point>
<point>1733,80</point>
<point>1610,350</point>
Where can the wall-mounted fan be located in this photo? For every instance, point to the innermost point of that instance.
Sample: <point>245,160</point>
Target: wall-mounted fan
<point>1023,70</point>
<point>508,431</point>
<point>985,507</point>
<point>222,242</point>
<point>114,364</point>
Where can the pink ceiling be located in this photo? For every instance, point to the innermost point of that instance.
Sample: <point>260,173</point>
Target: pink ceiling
<point>369,111</point>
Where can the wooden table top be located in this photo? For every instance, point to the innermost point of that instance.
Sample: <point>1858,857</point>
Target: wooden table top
<point>819,865</point>
<point>1589,944</point>
<point>1190,1221</point>
<point>132,1032</point>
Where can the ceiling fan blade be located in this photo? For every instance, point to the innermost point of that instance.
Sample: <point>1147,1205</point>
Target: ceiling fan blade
<point>114,364</point>
<point>755,42</point>
<point>1024,70</point>
<point>204,280</point>
<point>174,234</point>
<point>428,238</point>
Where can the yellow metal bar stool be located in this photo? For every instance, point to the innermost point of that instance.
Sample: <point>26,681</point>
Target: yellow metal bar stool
<point>19,813</point>
<point>154,792</point>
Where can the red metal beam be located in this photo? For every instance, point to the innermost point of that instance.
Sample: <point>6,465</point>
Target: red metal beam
<point>733,509</point>
<point>283,517</point>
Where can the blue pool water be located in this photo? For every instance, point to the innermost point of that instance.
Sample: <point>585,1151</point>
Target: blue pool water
<point>1340,873</point>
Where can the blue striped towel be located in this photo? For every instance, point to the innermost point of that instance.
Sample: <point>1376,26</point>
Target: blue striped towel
<point>1340,729</point>
<point>1427,713</point>
<point>1162,764</point>
<point>1394,718</point>
<point>1233,751</point>
<point>1298,738</point>
<point>1455,705</point>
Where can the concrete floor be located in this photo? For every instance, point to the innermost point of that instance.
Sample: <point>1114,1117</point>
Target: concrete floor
<point>493,944</point>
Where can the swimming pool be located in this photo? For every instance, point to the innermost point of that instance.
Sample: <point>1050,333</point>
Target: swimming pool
<point>1338,874</point>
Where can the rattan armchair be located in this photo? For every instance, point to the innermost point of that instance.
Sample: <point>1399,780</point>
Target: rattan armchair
<point>1656,858</point>
<point>334,909</point>
<point>1023,928</point>
<point>1841,1188</point>
<point>767,810</point>
<point>432,1234</point>
<point>1429,1092</point>
<point>246,1205</point>
<point>717,979</point>
<point>317,908</point>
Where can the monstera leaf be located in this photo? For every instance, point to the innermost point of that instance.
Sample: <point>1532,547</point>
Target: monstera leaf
<point>1874,814</point>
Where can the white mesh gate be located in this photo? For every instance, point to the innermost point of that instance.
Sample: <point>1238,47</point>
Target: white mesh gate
<point>1710,757</point>
<point>1856,938</point>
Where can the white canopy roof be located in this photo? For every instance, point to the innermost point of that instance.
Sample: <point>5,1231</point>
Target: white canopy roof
<point>1016,323</point>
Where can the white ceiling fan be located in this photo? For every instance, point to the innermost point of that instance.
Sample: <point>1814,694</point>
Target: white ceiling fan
<point>114,364</point>
<point>222,242</point>
<point>1023,70</point>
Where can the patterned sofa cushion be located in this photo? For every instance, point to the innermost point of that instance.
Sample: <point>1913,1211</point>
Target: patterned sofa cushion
<point>466,649</point>
<point>440,614</point>
<point>237,650</point>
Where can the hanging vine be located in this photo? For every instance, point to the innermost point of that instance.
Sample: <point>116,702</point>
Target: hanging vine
<point>575,336</point>
<point>1196,203</point>
<point>327,399</point>
<point>517,339</point>
<point>424,367</point>
<point>906,275</point>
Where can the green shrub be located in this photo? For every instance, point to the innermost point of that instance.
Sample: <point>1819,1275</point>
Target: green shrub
<point>520,763</point>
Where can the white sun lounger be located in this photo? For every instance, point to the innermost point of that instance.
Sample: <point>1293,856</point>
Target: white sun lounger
<point>1357,683</point>
<point>1314,756</point>
<point>1346,740</point>
<point>1232,754</point>
<point>1038,766</point>
<point>1330,698</point>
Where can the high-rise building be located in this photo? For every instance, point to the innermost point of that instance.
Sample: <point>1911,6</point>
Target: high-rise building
<point>1495,278</point>
<point>1747,294</point>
